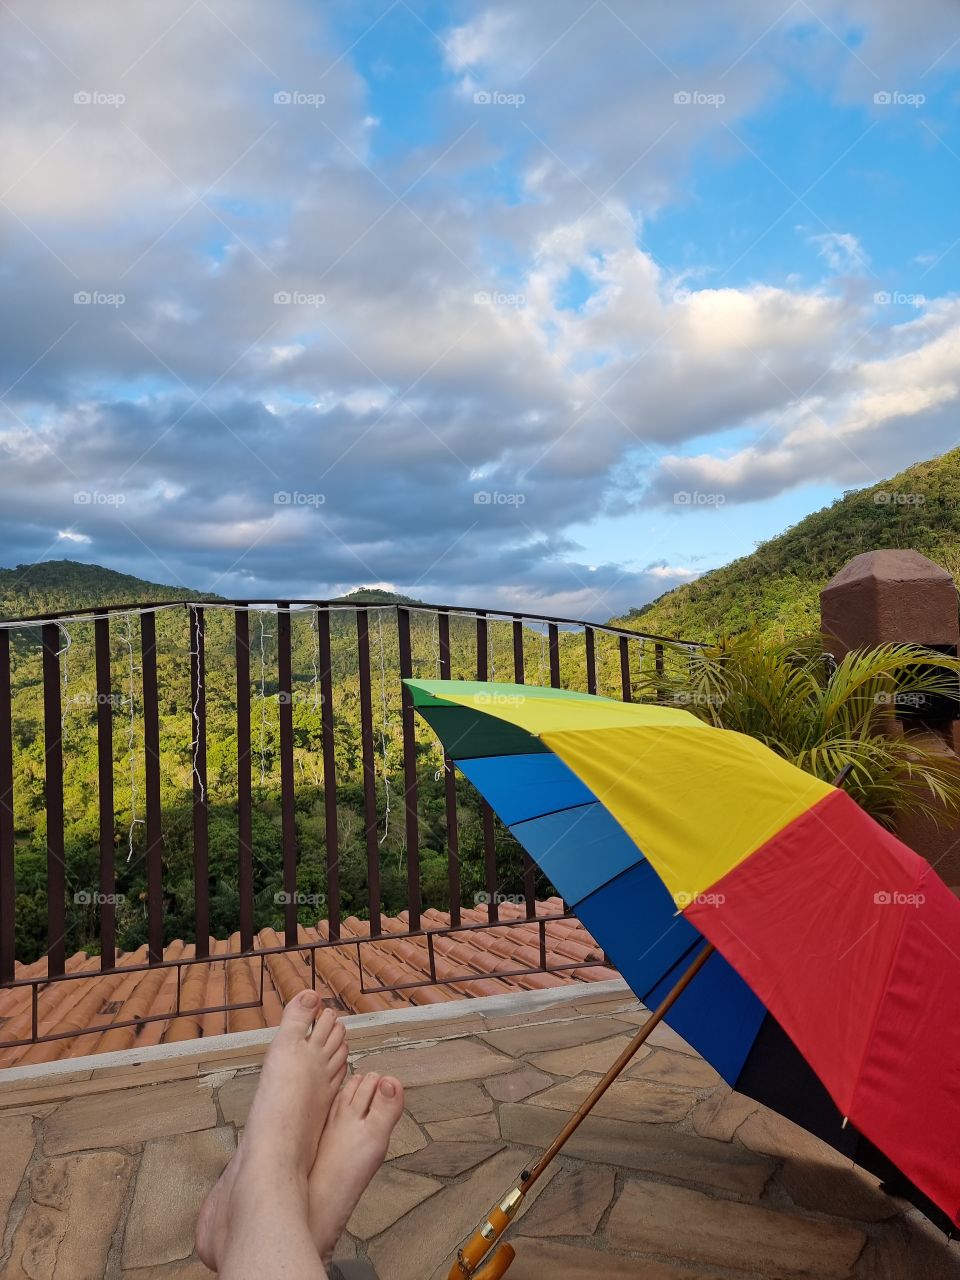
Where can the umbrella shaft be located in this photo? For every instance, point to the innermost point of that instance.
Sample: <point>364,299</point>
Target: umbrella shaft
<point>596,1093</point>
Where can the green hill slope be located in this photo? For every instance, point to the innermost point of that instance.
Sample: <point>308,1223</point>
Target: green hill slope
<point>54,585</point>
<point>777,587</point>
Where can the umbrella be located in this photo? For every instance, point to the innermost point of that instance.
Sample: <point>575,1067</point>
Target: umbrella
<point>802,949</point>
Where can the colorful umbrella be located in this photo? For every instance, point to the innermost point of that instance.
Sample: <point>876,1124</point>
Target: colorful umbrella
<point>833,992</point>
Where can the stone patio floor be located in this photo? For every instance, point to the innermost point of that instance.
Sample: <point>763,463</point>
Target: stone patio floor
<point>674,1177</point>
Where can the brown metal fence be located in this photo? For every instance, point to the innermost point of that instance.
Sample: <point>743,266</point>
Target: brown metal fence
<point>337,652</point>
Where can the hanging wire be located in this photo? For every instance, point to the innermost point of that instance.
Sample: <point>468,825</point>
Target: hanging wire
<point>383,726</point>
<point>65,654</point>
<point>131,737</point>
<point>315,628</point>
<point>543,652</point>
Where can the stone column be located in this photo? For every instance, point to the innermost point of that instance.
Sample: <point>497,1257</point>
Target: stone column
<point>901,597</point>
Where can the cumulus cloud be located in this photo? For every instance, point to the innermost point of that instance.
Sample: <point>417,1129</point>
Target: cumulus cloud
<point>270,353</point>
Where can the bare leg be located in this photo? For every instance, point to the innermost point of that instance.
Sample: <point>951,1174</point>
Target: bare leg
<point>352,1149</point>
<point>255,1223</point>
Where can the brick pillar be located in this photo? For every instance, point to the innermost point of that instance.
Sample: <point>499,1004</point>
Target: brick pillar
<point>901,597</point>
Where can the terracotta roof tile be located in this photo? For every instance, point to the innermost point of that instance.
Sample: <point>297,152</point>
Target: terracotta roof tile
<point>106,999</point>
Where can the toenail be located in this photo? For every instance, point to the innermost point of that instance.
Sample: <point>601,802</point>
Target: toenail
<point>308,998</point>
<point>387,1089</point>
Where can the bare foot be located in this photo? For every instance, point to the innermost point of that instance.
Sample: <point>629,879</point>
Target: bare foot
<point>302,1071</point>
<point>352,1149</point>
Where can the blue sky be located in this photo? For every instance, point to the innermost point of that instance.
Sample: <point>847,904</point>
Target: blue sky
<point>520,305</point>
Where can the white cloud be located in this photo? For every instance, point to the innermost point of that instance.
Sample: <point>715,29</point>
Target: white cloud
<point>401,395</point>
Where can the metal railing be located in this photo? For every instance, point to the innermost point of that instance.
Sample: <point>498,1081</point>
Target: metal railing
<point>342,660</point>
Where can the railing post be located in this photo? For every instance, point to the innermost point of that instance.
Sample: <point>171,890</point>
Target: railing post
<point>241,627</point>
<point>151,758</point>
<point>590,645</point>
<point>288,803</point>
<point>53,787</point>
<point>450,785</point>
<point>329,774</point>
<point>369,771</point>
<point>409,729</point>
<point>486,813</point>
<point>108,882</point>
<point>7,829</point>
<point>518,673</point>
<point>198,717</point>
<point>626,683</point>
<point>554,641</point>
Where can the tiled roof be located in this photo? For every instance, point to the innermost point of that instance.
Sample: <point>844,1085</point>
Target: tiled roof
<point>119,996</point>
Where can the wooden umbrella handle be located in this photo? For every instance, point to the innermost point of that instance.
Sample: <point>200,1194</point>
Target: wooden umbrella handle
<point>482,1245</point>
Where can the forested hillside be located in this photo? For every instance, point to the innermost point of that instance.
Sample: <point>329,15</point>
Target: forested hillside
<point>776,588</point>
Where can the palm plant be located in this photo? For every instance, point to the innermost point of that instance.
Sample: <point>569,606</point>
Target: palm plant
<point>824,715</point>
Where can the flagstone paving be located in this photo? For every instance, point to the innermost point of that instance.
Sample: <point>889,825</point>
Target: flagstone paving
<point>673,1178</point>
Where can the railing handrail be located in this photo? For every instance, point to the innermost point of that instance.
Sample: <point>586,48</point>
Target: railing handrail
<point>292,606</point>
